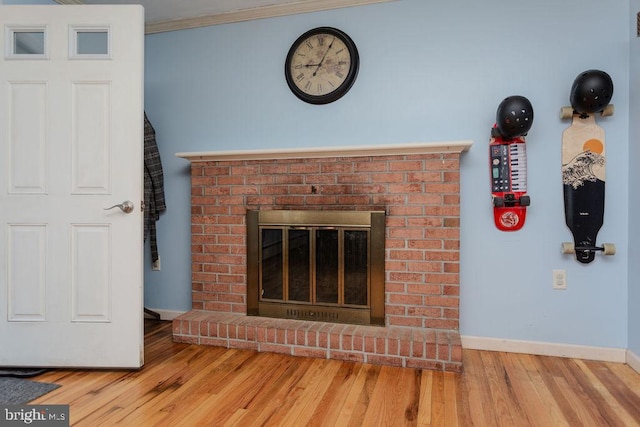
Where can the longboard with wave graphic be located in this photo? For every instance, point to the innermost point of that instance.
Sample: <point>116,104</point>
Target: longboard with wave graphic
<point>583,178</point>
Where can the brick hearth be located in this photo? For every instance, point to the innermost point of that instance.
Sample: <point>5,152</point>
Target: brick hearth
<point>417,185</point>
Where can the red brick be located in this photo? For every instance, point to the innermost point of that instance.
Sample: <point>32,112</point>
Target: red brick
<point>451,267</point>
<point>428,244</point>
<point>417,349</point>
<point>369,344</point>
<point>390,178</point>
<point>275,348</point>
<point>243,345</point>
<point>406,277</point>
<point>384,360</point>
<point>347,356</point>
<point>422,311</point>
<point>405,299</point>
<point>309,352</point>
<point>304,168</point>
<point>393,346</point>
<point>337,168</point>
<point>186,339</point>
<point>412,322</point>
<point>273,169</point>
<point>424,364</point>
<point>419,266</point>
<point>424,177</point>
<point>441,323</point>
<point>451,176</point>
<point>371,166</point>
<point>290,200</point>
<point>289,179</point>
<point>406,165</point>
<point>216,306</point>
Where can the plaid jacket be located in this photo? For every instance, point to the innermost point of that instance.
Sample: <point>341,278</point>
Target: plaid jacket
<point>154,202</point>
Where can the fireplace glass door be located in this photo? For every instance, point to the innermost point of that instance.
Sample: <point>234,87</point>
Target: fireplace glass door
<point>315,265</point>
<point>317,271</point>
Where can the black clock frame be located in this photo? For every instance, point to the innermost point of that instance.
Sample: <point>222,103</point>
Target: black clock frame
<point>341,90</point>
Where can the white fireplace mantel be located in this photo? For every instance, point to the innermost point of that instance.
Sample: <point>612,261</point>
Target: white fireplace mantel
<point>320,152</point>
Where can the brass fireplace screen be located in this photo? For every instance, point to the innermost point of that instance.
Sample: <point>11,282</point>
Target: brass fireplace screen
<point>316,265</point>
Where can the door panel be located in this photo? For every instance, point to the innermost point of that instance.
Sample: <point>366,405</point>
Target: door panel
<point>71,141</point>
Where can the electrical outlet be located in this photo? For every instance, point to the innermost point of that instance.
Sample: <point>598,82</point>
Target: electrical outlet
<point>559,279</point>
<point>156,265</point>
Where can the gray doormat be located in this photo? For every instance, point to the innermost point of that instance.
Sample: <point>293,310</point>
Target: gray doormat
<point>17,391</point>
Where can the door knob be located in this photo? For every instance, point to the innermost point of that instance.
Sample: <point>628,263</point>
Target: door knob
<point>126,206</point>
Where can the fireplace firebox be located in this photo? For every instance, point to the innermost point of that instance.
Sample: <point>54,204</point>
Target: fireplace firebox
<point>316,265</point>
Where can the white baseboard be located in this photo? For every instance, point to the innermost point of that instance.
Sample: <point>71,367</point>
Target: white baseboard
<point>164,314</point>
<point>633,360</point>
<point>619,355</point>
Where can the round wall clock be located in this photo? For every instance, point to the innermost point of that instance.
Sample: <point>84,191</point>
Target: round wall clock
<point>322,65</point>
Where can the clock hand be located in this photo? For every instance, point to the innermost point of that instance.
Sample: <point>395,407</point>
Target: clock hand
<point>306,66</point>
<point>323,57</point>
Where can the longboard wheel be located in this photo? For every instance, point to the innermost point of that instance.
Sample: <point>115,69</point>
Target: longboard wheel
<point>498,202</point>
<point>608,110</point>
<point>608,249</point>
<point>525,201</point>
<point>568,248</point>
<point>566,112</point>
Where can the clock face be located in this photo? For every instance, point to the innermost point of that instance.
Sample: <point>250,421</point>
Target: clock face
<point>321,65</point>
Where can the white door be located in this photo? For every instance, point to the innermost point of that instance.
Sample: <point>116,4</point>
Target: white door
<point>71,141</point>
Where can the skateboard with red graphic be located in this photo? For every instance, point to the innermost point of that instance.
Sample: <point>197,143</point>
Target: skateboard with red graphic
<point>508,162</point>
<point>583,165</point>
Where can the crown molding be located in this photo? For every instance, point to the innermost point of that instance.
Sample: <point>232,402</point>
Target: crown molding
<point>291,8</point>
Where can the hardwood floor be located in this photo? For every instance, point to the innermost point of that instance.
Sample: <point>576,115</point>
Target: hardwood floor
<point>189,385</point>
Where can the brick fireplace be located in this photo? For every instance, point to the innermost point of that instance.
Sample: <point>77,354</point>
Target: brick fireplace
<point>416,185</point>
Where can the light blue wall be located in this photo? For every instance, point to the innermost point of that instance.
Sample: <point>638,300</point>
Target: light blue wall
<point>430,71</point>
<point>634,191</point>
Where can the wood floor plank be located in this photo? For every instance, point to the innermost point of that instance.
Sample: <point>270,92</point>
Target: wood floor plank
<point>546,389</point>
<point>463,407</point>
<point>424,403</point>
<point>261,410</point>
<point>238,391</point>
<point>437,400</point>
<point>140,390</point>
<point>351,410</point>
<point>364,397</point>
<point>593,391</point>
<point>393,398</point>
<point>450,404</point>
<point>627,375</point>
<point>332,402</point>
<point>305,405</point>
<point>532,406</point>
<point>572,398</point>
<point>620,408</point>
<point>165,408</point>
<point>618,389</point>
<point>477,391</point>
<point>187,385</point>
<point>507,409</point>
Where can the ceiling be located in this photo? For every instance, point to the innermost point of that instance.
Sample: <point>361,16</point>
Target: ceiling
<point>169,15</point>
